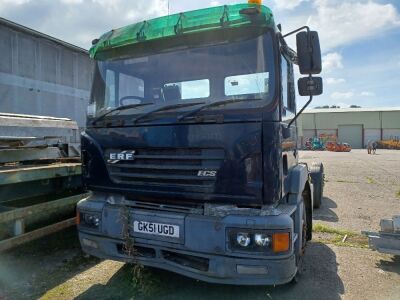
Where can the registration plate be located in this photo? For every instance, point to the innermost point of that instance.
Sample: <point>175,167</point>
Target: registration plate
<point>156,228</point>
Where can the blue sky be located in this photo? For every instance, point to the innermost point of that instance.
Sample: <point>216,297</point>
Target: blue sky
<point>360,40</point>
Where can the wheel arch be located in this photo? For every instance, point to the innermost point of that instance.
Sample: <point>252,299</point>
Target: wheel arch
<point>307,198</point>
<point>300,187</point>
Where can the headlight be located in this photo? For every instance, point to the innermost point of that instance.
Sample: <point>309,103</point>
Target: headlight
<point>92,220</point>
<point>258,241</point>
<point>243,239</point>
<point>262,239</point>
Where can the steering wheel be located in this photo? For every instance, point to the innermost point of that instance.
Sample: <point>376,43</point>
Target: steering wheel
<point>123,100</point>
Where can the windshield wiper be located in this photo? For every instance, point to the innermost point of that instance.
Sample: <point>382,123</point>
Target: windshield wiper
<point>118,109</point>
<point>213,104</point>
<point>172,106</point>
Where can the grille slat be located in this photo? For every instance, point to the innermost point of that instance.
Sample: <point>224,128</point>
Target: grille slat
<point>165,167</point>
<point>174,157</point>
<point>154,176</point>
<point>196,187</point>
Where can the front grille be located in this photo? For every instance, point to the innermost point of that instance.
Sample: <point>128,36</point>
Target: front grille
<point>177,167</point>
<point>136,251</point>
<point>194,262</point>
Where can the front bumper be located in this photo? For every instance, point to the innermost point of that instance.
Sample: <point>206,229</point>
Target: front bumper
<point>209,268</point>
<point>202,252</point>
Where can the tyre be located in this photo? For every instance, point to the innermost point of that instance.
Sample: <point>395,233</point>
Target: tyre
<point>304,238</point>
<point>317,178</point>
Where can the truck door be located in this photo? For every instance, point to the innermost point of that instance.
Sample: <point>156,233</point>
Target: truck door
<point>288,110</point>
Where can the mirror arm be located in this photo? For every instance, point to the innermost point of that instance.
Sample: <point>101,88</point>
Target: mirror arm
<point>290,53</point>
<point>301,110</point>
<point>297,30</point>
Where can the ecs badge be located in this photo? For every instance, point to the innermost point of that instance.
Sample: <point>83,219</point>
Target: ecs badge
<point>204,173</point>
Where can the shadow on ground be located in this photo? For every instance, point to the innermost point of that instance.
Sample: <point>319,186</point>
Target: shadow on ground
<point>391,265</point>
<point>319,279</point>
<point>28,271</point>
<point>325,212</point>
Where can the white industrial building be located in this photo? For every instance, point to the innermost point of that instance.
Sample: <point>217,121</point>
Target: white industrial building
<point>355,126</point>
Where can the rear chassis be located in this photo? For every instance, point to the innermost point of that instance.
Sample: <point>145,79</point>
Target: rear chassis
<point>202,251</point>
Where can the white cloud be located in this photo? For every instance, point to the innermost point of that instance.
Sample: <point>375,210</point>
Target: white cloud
<point>367,94</point>
<point>332,61</point>
<point>342,95</point>
<point>71,1</point>
<point>287,4</point>
<point>214,3</point>
<point>343,22</point>
<point>80,21</point>
<point>332,80</point>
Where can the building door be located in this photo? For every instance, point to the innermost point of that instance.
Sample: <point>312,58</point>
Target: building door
<point>351,134</point>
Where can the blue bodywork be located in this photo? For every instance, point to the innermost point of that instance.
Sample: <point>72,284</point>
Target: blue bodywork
<point>249,173</point>
<point>202,252</point>
<point>258,185</point>
<point>233,150</point>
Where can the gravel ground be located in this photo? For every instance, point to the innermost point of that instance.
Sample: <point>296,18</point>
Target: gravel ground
<point>360,189</point>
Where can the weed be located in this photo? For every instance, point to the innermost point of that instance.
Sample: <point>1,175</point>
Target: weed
<point>398,193</point>
<point>370,180</point>
<point>146,282</point>
<point>346,181</point>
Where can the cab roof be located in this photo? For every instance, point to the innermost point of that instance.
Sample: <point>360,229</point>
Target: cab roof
<point>213,18</point>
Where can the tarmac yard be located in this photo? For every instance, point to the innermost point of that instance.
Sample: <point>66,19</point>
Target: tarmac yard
<point>360,189</point>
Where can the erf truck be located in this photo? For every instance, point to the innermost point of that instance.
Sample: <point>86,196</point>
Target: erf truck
<point>190,150</point>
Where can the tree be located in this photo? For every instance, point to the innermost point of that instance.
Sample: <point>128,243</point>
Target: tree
<point>355,106</point>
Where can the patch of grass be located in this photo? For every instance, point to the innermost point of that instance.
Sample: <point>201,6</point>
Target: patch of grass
<point>326,229</point>
<point>335,236</point>
<point>398,193</point>
<point>370,180</point>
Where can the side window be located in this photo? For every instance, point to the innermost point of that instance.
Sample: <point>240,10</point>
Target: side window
<point>284,84</point>
<point>291,90</point>
<point>288,89</point>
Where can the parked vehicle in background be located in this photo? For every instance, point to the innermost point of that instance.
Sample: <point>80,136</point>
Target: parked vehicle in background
<point>338,147</point>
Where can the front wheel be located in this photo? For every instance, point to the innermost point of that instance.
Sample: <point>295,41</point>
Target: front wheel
<point>317,178</point>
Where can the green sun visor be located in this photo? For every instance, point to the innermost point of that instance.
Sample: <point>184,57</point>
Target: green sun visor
<point>209,19</point>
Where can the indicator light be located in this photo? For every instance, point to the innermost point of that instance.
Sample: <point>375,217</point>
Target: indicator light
<point>280,242</point>
<point>259,2</point>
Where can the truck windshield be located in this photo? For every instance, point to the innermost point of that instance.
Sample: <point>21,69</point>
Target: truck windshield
<point>230,70</point>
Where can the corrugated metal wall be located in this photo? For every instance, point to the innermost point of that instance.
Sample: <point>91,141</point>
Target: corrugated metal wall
<point>41,76</point>
<point>375,125</point>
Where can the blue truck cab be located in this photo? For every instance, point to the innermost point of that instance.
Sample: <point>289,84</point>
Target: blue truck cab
<point>190,150</point>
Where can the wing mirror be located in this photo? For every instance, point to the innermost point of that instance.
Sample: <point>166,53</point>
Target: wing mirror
<point>309,60</point>
<point>310,86</point>
<point>308,52</point>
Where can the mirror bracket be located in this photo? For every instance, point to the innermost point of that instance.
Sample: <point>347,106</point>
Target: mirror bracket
<point>301,110</point>
<point>297,30</point>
